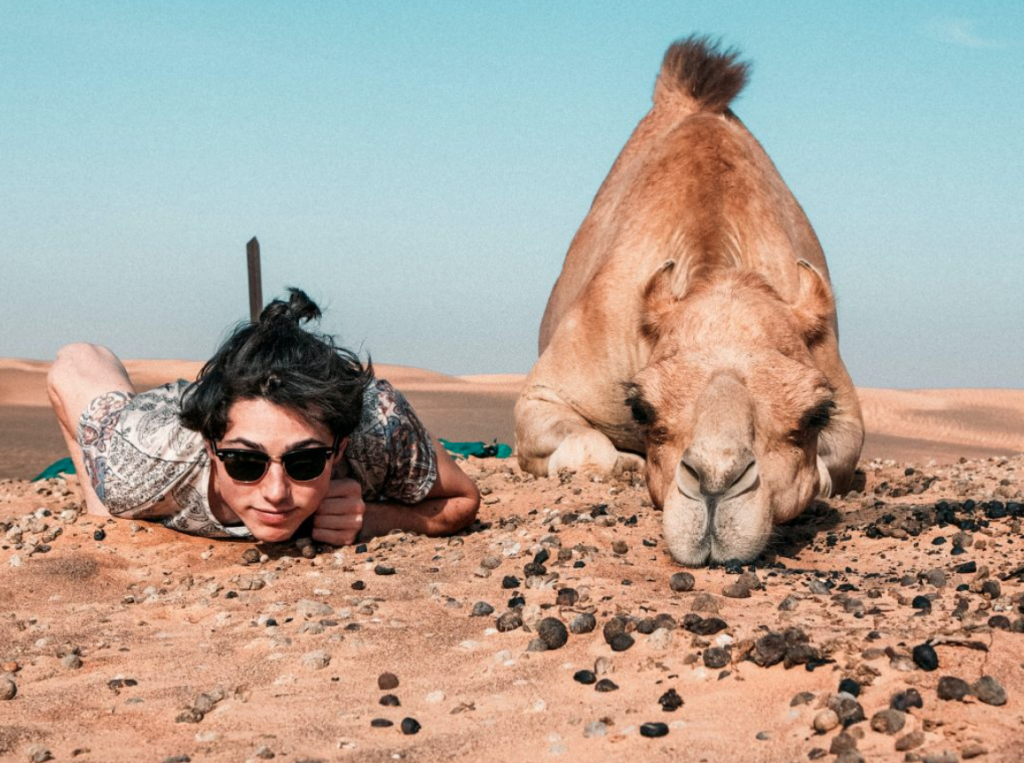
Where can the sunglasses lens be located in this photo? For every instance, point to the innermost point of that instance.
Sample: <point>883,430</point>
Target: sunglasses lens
<point>305,465</point>
<point>245,467</point>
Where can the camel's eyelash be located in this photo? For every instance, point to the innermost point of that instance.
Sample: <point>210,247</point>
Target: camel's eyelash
<point>818,417</point>
<point>643,412</point>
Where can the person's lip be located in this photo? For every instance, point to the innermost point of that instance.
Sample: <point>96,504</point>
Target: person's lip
<point>272,517</point>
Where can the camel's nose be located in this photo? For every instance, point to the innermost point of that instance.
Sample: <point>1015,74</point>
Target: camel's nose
<point>716,475</point>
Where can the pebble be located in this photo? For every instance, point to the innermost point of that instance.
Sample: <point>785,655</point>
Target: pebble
<point>941,757</point>
<point>99,535</point>
<point>925,657</point>
<point>850,686</point>
<point>390,700</point>
<point>583,623</point>
<point>973,750</point>
<point>606,685</point>
<point>768,650</point>
<point>585,677</point>
<point>508,621</point>
<point>905,700</point>
<point>702,626</point>
<point>682,582</point>
<point>621,642</point>
<point>705,602</point>
<point>620,547</point>
<point>843,743</point>
<point>490,562</point>
<point>803,698</point>
<point>8,689</point>
<point>825,721</point>
<point>384,569</point>
<point>888,721</point>
<point>661,639</point>
<point>552,632</point>
<point>510,581</point>
<point>595,729</point>
<point>317,660</point>
<point>251,556</point>
<point>988,690</point>
<point>38,754</point>
<point>736,591</point>
<point>952,688</point>
<point>716,657</point>
<point>482,609</point>
<point>71,661</point>
<point>789,604</point>
<point>910,741</point>
<point>410,726</point>
<point>567,597</point>
<point>381,723</point>
<point>654,730</point>
<point>847,708</point>
<point>670,701</point>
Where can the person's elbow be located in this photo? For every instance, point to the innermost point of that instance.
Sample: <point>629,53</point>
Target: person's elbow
<point>463,508</point>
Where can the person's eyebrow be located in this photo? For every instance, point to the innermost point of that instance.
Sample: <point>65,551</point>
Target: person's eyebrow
<point>293,446</point>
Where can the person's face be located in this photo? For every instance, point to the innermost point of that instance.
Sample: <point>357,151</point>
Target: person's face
<point>274,506</point>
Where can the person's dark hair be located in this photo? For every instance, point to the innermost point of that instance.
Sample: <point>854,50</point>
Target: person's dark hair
<point>278,360</point>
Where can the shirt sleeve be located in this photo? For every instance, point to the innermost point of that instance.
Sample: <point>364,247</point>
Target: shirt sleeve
<point>391,453</point>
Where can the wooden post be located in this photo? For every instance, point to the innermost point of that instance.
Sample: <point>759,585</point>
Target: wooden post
<point>252,251</point>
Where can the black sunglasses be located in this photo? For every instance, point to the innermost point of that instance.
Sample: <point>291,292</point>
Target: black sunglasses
<point>303,465</point>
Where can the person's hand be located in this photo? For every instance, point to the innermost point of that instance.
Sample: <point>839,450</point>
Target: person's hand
<point>339,518</point>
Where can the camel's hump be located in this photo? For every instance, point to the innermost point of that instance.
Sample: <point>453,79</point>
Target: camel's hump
<point>698,69</point>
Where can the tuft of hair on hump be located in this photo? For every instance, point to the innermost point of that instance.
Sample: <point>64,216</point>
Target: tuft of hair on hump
<point>699,69</point>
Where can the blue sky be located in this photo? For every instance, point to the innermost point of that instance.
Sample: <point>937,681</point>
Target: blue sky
<point>420,168</point>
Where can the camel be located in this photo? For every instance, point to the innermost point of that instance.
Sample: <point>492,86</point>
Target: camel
<point>692,331</point>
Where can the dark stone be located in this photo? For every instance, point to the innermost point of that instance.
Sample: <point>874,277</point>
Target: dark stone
<point>716,657</point>
<point>842,743</point>
<point>533,569</point>
<point>387,681</point>
<point>681,582</point>
<point>361,548</point>
<point>517,601</point>
<point>647,626</point>
<point>801,654</point>
<point>988,690</point>
<point>905,700</point>
<point>383,569</point>
<point>410,726</point>
<point>670,701</point>
<point>612,628</point>
<point>803,698</point>
<point>552,632</point>
<point>541,556</point>
<point>251,556</point>
<point>583,623</point>
<point>621,642</point>
<point>665,621</point>
<point>850,686</point>
<point>967,568</point>
<point>620,547</point>
<point>510,581</point>
<point>585,677</point>
<point>736,591</point>
<point>381,723</point>
<point>654,730</point>
<point>849,711</point>
<point>952,688</point>
<point>508,621</point>
<point>707,626</point>
<point>605,685</point>
<point>991,589</point>
<point>1000,622</point>
<point>768,650</point>
<point>923,603</point>
<point>567,597</point>
<point>925,657</point>
<point>100,534</point>
<point>358,585</point>
<point>910,741</point>
<point>390,700</point>
<point>482,609</point>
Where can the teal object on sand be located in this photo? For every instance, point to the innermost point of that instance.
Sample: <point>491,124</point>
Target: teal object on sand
<point>479,449</point>
<point>57,468</point>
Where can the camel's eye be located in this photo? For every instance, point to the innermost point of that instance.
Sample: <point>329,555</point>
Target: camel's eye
<point>818,417</point>
<point>643,412</point>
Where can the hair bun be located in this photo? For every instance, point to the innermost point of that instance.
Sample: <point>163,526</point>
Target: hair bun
<point>298,308</point>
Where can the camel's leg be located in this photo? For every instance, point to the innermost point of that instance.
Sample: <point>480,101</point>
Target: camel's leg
<point>551,436</point>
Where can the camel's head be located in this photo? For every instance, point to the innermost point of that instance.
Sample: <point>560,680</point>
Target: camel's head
<point>731,405</point>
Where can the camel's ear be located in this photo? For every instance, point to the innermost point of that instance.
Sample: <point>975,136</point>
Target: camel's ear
<point>657,300</point>
<point>814,305</point>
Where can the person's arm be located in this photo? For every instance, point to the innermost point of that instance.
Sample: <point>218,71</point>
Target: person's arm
<point>449,506</point>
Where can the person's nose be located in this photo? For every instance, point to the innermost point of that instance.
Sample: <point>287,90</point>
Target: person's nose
<point>275,485</point>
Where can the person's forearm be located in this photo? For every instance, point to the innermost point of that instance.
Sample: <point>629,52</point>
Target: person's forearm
<point>434,516</point>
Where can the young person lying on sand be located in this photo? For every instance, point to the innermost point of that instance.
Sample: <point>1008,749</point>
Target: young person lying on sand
<point>280,426</point>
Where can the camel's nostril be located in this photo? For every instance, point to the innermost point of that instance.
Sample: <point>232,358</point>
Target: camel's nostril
<point>724,477</point>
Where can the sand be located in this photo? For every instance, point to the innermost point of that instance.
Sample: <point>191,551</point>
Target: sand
<point>288,650</point>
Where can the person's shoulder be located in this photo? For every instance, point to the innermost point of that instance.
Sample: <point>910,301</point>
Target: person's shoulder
<point>152,424</point>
